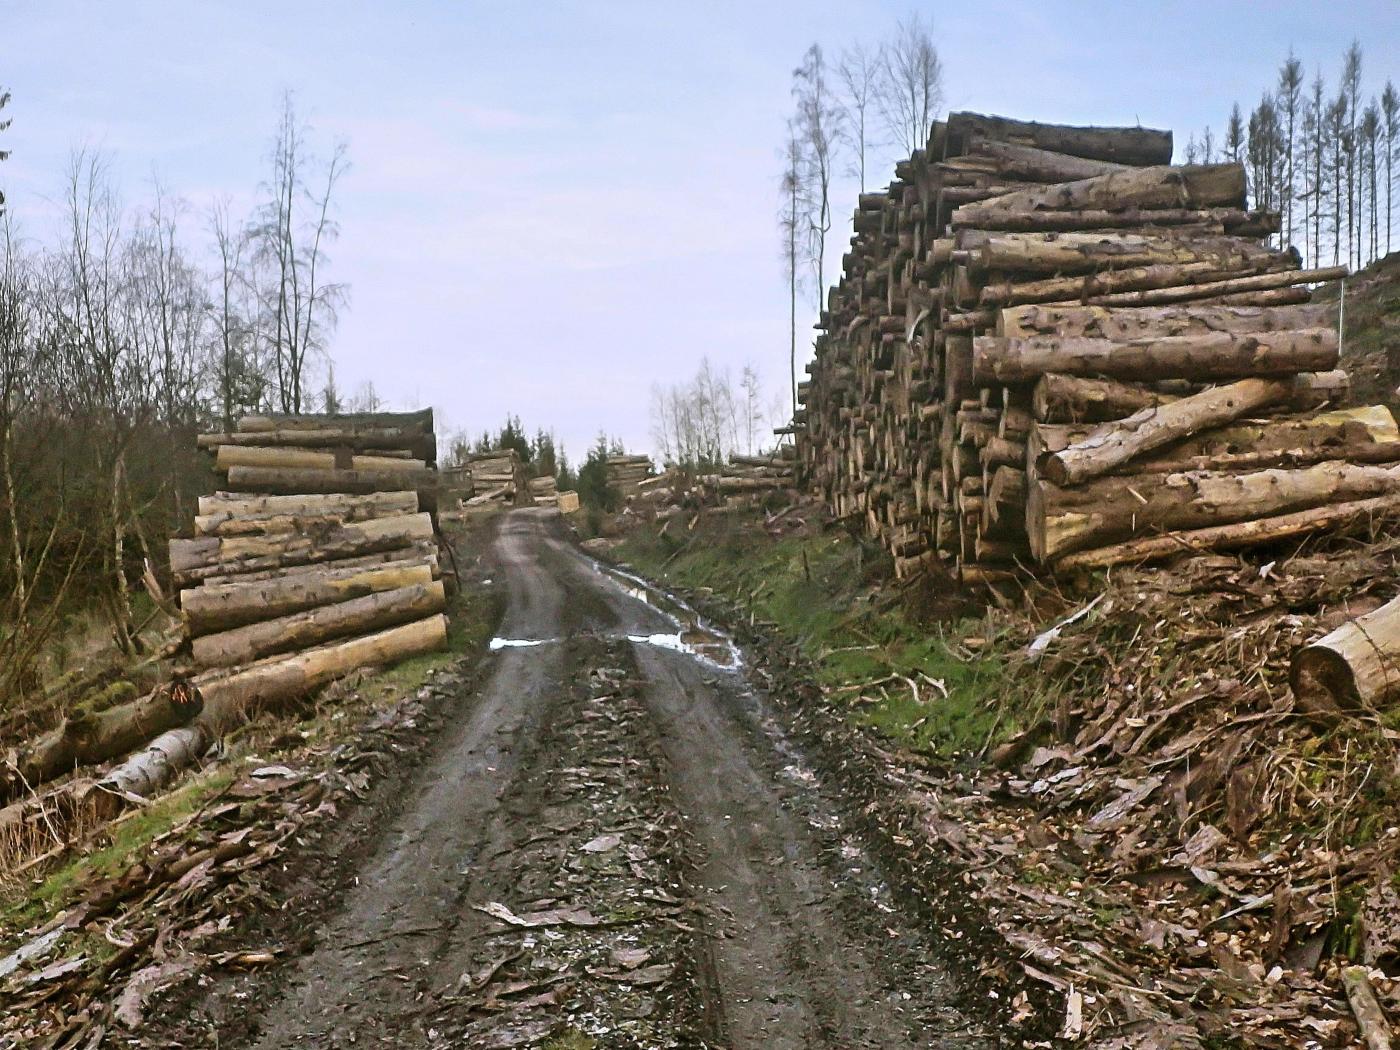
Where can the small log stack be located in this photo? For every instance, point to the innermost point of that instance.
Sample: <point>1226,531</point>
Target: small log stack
<point>497,480</point>
<point>745,478</point>
<point>278,572</point>
<point>1050,346</point>
<point>626,473</point>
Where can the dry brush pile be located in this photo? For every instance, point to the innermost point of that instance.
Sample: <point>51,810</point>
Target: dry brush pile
<point>1052,347</point>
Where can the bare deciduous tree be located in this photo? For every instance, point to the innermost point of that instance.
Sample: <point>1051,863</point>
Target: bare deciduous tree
<point>818,125</point>
<point>1390,113</point>
<point>792,217</point>
<point>859,73</point>
<point>909,91</point>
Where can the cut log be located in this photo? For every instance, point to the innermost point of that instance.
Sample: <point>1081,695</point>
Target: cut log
<point>1038,165</point>
<point>1114,444</point>
<point>370,612</point>
<point>274,481</point>
<point>230,700</point>
<point>1101,322</point>
<point>348,422</point>
<point>1135,145</point>
<point>1356,666</point>
<point>1102,287</point>
<point>88,737</point>
<point>1186,291</point>
<point>1261,531</point>
<point>1062,520</point>
<point>422,552</point>
<point>226,606</point>
<point>229,456</point>
<point>1172,462</point>
<point>1366,1008</point>
<point>225,506</point>
<point>196,559</point>
<point>983,217</point>
<point>1218,355</point>
<point>1159,186</point>
<point>417,442</point>
<point>1076,399</point>
<point>1071,253</point>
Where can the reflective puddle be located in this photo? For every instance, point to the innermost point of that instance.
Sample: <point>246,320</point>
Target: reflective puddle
<point>519,643</point>
<point>693,636</point>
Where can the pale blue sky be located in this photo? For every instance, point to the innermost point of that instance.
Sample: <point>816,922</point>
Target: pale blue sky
<point>554,205</point>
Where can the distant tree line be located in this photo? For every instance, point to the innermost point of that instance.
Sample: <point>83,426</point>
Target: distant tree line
<point>541,455</point>
<point>1322,156</point>
<point>875,99</point>
<point>119,339</point>
<point>698,423</point>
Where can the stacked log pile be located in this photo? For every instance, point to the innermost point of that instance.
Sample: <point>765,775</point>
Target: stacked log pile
<point>320,553</point>
<point>744,477</point>
<point>626,473</point>
<point>497,479</point>
<point>1051,346</point>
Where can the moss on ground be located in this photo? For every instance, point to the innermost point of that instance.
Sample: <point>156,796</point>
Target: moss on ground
<point>871,655</point>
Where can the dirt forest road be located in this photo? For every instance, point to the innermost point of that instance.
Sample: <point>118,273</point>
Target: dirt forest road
<point>613,844</point>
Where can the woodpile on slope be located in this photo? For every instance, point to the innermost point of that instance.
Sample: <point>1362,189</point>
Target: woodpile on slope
<point>320,556</point>
<point>744,478</point>
<point>626,473</point>
<point>1052,346</point>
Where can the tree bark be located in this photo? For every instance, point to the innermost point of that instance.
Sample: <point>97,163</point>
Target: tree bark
<point>196,559</point>
<point>1064,520</point>
<point>356,616</point>
<point>1061,398</point>
<point>1113,444</point>
<point>1356,666</point>
<point>1039,165</point>
<point>1159,186</point>
<point>1219,355</point>
<point>225,506</point>
<point>1245,534</point>
<point>223,607</point>
<point>1102,322</point>
<point>1106,286</point>
<point>421,552</point>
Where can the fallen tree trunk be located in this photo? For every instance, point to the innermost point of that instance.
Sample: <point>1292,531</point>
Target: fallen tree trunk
<point>1234,537</point>
<point>1218,355</point>
<point>229,456</point>
<point>222,607</point>
<point>1159,186</point>
<point>1101,322</point>
<point>196,559</point>
<point>1356,666</point>
<point>1113,444</point>
<point>88,737</point>
<point>361,615</point>
<point>275,481</point>
<point>1062,520</point>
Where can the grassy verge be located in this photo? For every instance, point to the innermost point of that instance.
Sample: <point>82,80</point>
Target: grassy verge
<point>921,672</point>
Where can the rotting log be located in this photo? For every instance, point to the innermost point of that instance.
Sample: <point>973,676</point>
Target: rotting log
<point>1260,531</point>
<point>1355,666</point>
<point>1216,355</point>
<point>1115,443</point>
<point>222,607</point>
<point>88,737</point>
<point>1159,186</point>
<point>195,559</point>
<point>1061,520</point>
<point>322,623</point>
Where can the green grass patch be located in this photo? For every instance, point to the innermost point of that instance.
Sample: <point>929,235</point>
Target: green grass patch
<point>820,592</point>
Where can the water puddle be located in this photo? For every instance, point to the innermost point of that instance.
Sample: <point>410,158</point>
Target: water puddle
<point>693,636</point>
<point>519,643</point>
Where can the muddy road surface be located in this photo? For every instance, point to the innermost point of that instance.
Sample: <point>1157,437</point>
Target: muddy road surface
<point>612,844</point>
